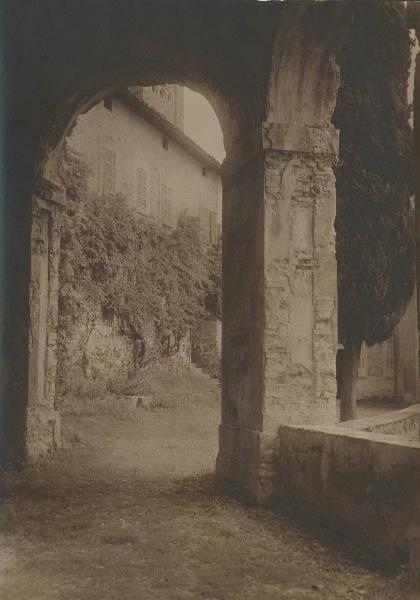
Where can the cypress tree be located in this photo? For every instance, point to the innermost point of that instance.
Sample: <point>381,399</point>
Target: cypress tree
<point>374,223</point>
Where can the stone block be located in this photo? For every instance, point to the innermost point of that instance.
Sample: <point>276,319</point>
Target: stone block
<point>293,137</point>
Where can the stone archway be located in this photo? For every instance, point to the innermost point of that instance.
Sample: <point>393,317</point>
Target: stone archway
<point>268,69</point>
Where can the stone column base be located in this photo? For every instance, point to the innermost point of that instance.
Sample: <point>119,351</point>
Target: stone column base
<point>43,436</point>
<point>246,463</point>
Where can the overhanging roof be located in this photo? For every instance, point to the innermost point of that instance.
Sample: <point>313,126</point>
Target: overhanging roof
<point>167,128</point>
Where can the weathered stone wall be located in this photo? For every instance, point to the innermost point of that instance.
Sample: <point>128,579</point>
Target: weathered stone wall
<point>94,349</point>
<point>361,484</point>
<point>206,346</point>
<point>300,274</point>
<point>43,431</point>
<point>90,348</point>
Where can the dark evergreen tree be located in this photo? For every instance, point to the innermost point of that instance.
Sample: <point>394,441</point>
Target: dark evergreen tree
<point>374,224</point>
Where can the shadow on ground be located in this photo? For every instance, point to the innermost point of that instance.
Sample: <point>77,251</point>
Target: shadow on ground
<point>129,511</point>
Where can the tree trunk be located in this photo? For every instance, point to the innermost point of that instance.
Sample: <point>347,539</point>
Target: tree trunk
<point>349,372</point>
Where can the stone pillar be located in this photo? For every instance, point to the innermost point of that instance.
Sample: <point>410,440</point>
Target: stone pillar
<point>43,430</point>
<point>413,21</point>
<point>279,295</point>
<point>416,121</point>
<point>279,269</point>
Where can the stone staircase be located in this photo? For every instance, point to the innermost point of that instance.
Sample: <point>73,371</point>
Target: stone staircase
<point>199,372</point>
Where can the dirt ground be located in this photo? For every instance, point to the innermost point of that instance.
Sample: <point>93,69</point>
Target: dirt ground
<point>128,511</point>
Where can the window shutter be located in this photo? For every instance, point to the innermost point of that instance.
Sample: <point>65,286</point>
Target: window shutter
<point>213,227</point>
<point>389,349</point>
<point>204,223</point>
<point>166,203</point>
<point>154,193</point>
<point>376,361</point>
<point>142,203</point>
<point>363,362</point>
<point>109,172</point>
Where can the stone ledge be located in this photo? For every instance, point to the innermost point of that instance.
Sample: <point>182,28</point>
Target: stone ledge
<point>398,422</point>
<point>359,483</point>
<point>348,433</point>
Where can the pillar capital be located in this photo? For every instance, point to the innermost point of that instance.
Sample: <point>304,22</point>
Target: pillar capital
<point>285,138</point>
<point>304,139</point>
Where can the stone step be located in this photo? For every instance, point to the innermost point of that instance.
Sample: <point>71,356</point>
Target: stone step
<point>199,371</point>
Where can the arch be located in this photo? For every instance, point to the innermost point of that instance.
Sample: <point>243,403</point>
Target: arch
<point>253,64</point>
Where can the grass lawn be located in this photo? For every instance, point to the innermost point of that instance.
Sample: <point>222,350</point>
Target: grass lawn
<point>128,511</point>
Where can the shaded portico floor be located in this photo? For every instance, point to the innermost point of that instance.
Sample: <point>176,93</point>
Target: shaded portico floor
<point>128,511</point>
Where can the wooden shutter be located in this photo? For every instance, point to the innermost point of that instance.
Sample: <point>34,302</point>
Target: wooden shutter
<point>213,227</point>
<point>166,203</point>
<point>141,191</point>
<point>109,172</point>
<point>154,193</point>
<point>204,222</point>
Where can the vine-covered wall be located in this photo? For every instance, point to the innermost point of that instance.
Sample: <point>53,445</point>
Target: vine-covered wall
<point>130,290</point>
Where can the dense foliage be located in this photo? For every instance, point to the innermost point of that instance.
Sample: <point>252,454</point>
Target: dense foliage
<point>374,225</point>
<point>135,269</point>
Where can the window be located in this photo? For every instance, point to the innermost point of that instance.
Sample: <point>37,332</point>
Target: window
<point>376,361</point>
<point>165,143</point>
<point>107,315</point>
<point>213,232</point>
<point>141,190</point>
<point>204,172</point>
<point>154,199</point>
<point>204,223</point>
<point>108,103</point>
<point>389,358</point>
<point>109,172</point>
<point>166,204</point>
<point>363,365</point>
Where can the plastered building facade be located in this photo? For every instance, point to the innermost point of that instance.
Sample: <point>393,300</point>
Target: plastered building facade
<point>135,147</point>
<point>391,369</point>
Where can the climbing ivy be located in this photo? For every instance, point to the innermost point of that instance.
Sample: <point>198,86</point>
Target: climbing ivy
<point>138,270</point>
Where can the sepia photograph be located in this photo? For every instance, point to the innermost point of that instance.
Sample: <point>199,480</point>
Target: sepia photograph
<point>209,308</point>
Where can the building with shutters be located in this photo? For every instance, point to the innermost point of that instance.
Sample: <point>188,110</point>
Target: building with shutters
<point>135,146</point>
<point>391,369</point>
